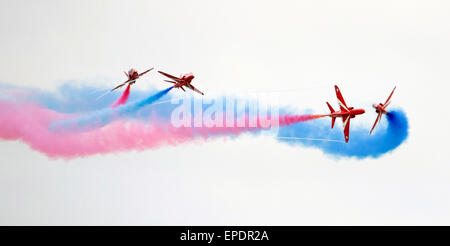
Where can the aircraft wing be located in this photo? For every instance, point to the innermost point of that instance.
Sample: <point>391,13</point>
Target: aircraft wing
<point>376,121</point>
<point>341,101</point>
<point>145,72</point>
<point>346,127</point>
<point>389,98</point>
<point>115,88</point>
<point>195,89</point>
<point>124,83</point>
<point>170,76</point>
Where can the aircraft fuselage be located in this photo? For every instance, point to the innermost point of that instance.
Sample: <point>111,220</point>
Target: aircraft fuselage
<point>380,108</point>
<point>352,113</point>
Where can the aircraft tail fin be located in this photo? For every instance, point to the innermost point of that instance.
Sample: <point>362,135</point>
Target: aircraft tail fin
<point>331,108</point>
<point>333,119</point>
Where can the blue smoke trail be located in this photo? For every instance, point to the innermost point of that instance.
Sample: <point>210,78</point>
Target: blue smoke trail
<point>361,144</point>
<point>103,117</point>
<point>72,97</point>
<point>77,98</point>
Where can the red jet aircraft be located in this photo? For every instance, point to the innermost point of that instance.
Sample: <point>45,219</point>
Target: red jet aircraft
<point>183,80</point>
<point>345,113</point>
<point>381,109</point>
<point>132,76</point>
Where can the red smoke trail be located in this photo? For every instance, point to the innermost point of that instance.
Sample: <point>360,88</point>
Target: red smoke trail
<point>286,120</point>
<point>30,124</point>
<point>122,99</point>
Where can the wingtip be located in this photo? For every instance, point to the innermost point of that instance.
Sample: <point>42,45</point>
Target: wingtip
<point>336,88</point>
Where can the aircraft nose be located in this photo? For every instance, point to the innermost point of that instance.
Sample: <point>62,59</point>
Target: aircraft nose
<point>362,111</point>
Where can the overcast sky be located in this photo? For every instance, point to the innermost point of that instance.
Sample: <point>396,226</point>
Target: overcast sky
<point>301,47</point>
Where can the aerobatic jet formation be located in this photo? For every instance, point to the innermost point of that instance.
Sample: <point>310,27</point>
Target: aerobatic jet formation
<point>345,112</point>
<point>381,109</point>
<point>183,80</point>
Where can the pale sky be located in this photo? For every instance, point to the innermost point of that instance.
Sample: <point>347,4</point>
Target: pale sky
<point>301,47</point>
